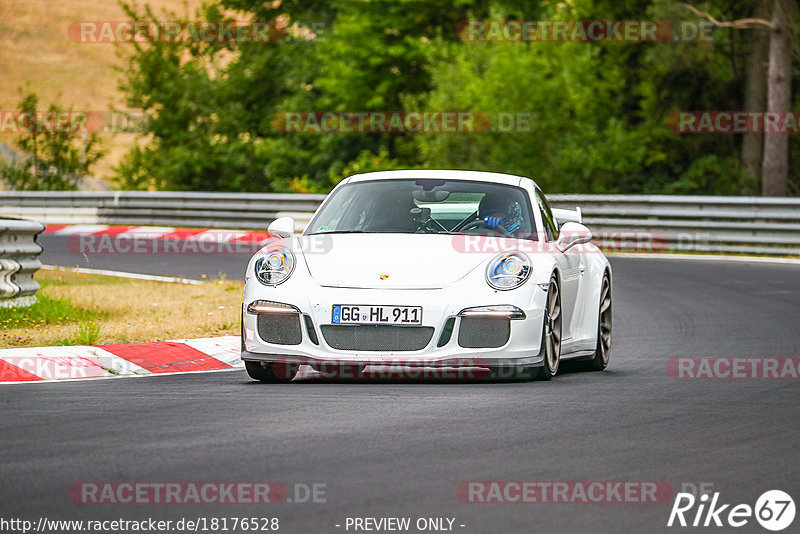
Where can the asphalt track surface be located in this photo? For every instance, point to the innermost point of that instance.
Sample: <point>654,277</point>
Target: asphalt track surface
<point>66,252</point>
<point>401,449</point>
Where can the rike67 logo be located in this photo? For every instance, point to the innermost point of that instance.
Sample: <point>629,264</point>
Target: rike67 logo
<point>774,510</point>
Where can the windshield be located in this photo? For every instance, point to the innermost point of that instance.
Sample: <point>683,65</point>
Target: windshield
<point>427,206</point>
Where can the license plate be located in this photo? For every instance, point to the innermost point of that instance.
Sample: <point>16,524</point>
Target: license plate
<point>363,314</point>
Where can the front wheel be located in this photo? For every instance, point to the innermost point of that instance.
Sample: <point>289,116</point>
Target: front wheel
<point>602,351</point>
<point>552,332</point>
<point>272,373</point>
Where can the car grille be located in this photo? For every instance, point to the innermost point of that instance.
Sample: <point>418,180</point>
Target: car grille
<point>280,328</point>
<point>484,332</point>
<point>377,337</point>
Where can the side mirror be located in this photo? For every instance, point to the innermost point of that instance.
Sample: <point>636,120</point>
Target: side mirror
<point>572,234</point>
<point>282,227</point>
<point>564,216</point>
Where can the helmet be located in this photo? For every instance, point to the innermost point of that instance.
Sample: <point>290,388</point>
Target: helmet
<point>500,211</point>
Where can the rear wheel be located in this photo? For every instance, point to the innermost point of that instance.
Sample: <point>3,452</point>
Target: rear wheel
<point>552,332</point>
<point>271,372</point>
<point>602,352</point>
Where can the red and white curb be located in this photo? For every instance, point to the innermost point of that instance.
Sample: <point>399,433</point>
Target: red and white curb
<point>84,362</point>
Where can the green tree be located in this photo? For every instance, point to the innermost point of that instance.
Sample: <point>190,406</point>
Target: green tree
<point>212,104</point>
<point>54,155</point>
<point>600,110</point>
<point>597,112</point>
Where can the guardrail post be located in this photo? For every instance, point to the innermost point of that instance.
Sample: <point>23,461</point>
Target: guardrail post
<point>19,259</point>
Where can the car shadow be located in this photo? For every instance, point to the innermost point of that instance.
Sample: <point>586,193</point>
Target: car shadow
<point>447,376</point>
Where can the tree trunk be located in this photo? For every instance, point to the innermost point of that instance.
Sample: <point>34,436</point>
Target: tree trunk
<point>775,167</point>
<point>755,99</point>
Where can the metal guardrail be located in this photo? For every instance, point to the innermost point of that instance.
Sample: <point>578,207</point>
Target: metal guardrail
<point>740,225</point>
<point>247,211</point>
<point>745,225</point>
<point>19,259</point>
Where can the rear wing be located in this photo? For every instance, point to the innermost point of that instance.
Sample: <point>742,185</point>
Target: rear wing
<point>564,216</point>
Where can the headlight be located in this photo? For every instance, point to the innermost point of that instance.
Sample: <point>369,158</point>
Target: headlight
<point>268,306</point>
<point>508,271</point>
<point>275,266</point>
<point>502,310</point>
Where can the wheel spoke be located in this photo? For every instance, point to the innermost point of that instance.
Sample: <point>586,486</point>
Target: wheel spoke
<point>553,328</point>
<point>605,299</point>
<point>604,320</point>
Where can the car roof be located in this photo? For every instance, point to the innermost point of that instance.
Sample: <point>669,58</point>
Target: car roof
<point>439,174</point>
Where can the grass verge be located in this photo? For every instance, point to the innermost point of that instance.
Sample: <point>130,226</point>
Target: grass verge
<point>84,309</point>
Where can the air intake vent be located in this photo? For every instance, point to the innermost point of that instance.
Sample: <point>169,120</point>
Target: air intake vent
<point>377,337</point>
<point>484,332</point>
<point>447,332</point>
<point>312,334</point>
<point>280,328</point>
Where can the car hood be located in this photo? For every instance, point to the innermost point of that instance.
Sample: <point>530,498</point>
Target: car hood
<point>387,261</point>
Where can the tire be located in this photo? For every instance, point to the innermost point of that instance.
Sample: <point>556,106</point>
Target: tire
<point>602,352</point>
<point>551,336</point>
<point>241,335</point>
<point>272,373</point>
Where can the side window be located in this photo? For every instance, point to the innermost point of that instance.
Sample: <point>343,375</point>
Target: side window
<point>550,227</point>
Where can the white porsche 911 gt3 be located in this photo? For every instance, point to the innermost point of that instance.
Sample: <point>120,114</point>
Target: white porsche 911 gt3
<point>428,269</point>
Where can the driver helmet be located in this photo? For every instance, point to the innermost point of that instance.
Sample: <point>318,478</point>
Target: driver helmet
<point>500,211</point>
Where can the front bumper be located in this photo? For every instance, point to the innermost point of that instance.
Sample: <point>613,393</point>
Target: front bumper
<point>440,306</point>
